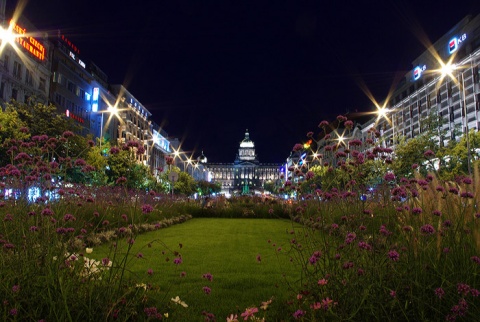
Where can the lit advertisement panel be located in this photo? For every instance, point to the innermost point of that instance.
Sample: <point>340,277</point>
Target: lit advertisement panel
<point>32,45</point>
<point>418,71</point>
<point>455,43</point>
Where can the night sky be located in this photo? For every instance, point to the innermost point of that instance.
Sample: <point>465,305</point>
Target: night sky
<point>209,70</point>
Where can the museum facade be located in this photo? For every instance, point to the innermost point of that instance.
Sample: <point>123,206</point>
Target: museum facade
<point>246,175</point>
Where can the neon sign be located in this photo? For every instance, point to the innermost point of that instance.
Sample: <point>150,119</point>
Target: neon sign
<point>75,117</point>
<point>96,92</point>
<point>455,43</point>
<point>70,44</point>
<point>417,71</point>
<point>32,45</point>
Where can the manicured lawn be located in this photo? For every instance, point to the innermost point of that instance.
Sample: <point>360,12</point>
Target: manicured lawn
<point>241,254</point>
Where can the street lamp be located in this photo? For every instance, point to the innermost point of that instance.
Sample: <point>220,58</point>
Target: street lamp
<point>112,111</point>
<point>447,70</point>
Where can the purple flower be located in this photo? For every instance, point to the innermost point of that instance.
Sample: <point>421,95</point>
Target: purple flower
<point>475,259</point>
<point>389,176</point>
<point>207,290</point>
<point>364,245</point>
<point>297,147</point>
<point>463,289</point>
<point>417,210</point>
<point>208,276</point>
<point>177,261</point>
<point>69,217</point>
<point>298,314</point>
<point>427,229</point>
<point>429,154</point>
<point>394,255</point>
<point>439,292</point>
<point>68,134</point>
<point>467,180</point>
<point>146,209</point>
<point>105,261</point>
<point>16,288</point>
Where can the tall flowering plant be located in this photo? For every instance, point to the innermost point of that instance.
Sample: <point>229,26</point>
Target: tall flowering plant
<point>390,250</point>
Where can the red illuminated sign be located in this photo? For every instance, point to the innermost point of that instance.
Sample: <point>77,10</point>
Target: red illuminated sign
<point>70,44</point>
<point>32,45</point>
<point>75,117</point>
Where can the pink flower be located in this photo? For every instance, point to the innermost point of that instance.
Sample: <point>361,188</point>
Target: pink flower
<point>207,290</point>
<point>249,312</point>
<point>322,282</point>
<point>232,318</point>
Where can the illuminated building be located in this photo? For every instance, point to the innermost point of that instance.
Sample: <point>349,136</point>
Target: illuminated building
<point>24,61</point>
<point>76,88</point>
<point>246,175</point>
<point>424,90</point>
<point>454,96</point>
<point>132,123</point>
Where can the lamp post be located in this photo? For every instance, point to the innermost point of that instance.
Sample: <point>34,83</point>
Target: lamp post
<point>112,110</point>
<point>447,70</point>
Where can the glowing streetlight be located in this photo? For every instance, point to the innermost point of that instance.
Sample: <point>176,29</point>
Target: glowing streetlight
<point>447,69</point>
<point>112,111</point>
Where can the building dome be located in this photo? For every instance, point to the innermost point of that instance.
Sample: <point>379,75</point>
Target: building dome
<point>202,158</point>
<point>247,143</point>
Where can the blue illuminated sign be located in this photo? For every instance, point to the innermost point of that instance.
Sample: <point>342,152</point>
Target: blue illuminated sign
<point>417,71</point>
<point>455,43</point>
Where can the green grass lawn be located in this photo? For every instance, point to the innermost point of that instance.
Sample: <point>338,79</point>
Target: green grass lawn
<point>228,250</point>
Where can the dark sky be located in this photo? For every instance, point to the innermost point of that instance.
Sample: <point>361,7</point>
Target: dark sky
<point>208,70</point>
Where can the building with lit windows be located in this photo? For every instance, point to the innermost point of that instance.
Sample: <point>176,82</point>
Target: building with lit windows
<point>445,80</point>
<point>246,175</point>
<point>446,83</point>
<point>132,123</point>
<point>24,61</point>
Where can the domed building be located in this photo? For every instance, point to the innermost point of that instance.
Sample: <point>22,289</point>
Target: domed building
<point>246,175</point>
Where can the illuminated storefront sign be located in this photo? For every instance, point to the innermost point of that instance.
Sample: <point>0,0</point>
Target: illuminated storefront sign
<point>418,71</point>
<point>161,141</point>
<point>75,117</point>
<point>96,92</point>
<point>455,43</point>
<point>32,45</point>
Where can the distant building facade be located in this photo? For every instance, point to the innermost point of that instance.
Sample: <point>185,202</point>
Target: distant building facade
<point>246,175</point>
<point>24,74</point>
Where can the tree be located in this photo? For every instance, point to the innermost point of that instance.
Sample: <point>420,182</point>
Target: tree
<point>411,151</point>
<point>43,119</point>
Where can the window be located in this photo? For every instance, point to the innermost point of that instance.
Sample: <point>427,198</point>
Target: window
<point>17,70</point>
<point>6,62</point>
<point>2,90</point>
<point>71,86</point>
<point>28,77</point>
<point>58,98</point>
<point>476,75</point>
<point>41,84</point>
